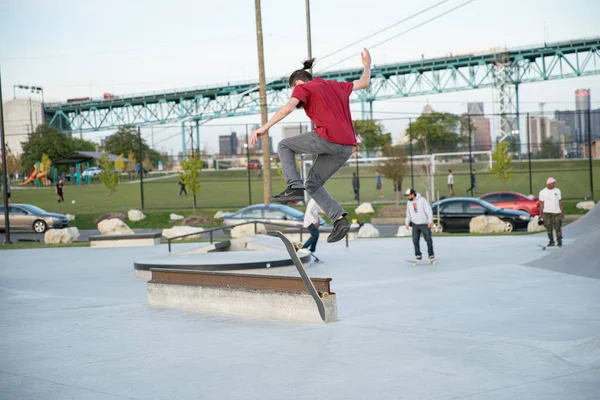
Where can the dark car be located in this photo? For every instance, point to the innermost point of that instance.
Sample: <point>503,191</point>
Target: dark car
<point>513,201</point>
<point>455,215</point>
<point>275,213</point>
<point>28,217</point>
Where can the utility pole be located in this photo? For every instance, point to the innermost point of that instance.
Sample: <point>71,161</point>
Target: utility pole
<point>263,105</point>
<point>308,35</point>
<point>5,170</point>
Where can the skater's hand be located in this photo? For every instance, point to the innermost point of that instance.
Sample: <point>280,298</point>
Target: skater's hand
<point>406,226</point>
<point>429,224</point>
<point>256,134</point>
<point>365,57</point>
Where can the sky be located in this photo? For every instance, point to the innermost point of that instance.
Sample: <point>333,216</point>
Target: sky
<point>84,48</point>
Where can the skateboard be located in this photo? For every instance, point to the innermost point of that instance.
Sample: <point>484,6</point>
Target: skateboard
<point>415,262</point>
<point>549,247</point>
<point>298,246</point>
<point>317,296</point>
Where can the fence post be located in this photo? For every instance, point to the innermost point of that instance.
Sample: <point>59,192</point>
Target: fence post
<point>589,134</point>
<point>410,140</point>
<point>255,228</point>
<point>141,160</point>
<point>529,155</point>
<point>470,154</point>
<point>247,146</point>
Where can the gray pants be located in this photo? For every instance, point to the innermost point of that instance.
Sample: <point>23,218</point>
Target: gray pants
<point>330,157</point>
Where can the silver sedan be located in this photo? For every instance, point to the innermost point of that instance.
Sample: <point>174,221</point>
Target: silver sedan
<point>28,217</point>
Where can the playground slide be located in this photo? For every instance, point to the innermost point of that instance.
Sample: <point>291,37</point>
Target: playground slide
<point>31,177</point>
<point>41,175</point>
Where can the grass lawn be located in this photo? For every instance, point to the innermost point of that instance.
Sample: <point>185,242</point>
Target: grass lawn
<point>228,190</point>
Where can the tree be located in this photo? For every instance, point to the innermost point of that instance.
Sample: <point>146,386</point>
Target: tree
<point>439,132</point>
<point>395,167</point>
<point>371,134</point>
<point>13,162</point>
<point>55,144</point>
<point>190,174</point>
<point>131,163</point>
<point>549,149</point>
<point>502,162</point>
<point>514,144</point>
<point>126,140</point>
<point>108,176</point>
<point>147,164</point>
<point>120,165</point>
<point>45,162</point>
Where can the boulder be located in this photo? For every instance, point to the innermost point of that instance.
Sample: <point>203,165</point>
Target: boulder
<point>247,230</point>
<point>195,220</point>
<point>368,231</point>
<point>365,208</point>
<point>70,217</point>
<point>585,205</point>
<point>176,217</point>
<point>57,236</point>
<point>183,230</point>
<point>221,214</point>
<point>135,215</point>
<point>403,232</point>
<point>486,224</point>
<point>534,225</point>
<point>114,227</point>
<point>104,217</point>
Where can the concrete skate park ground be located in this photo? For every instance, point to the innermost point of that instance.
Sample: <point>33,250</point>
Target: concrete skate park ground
<point>75,324</point>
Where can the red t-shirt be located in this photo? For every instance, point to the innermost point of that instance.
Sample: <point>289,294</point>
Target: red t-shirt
<point>327,104</point>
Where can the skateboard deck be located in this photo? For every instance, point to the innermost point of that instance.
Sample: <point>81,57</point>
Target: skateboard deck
<point>300,267</point>
<point>548,247</point>
<point>415,262</point>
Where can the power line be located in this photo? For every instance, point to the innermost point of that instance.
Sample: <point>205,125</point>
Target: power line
<point>404,32</point>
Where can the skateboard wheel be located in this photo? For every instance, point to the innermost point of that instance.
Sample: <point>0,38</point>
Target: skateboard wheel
<point>414,264</point>
<point>325,295</point>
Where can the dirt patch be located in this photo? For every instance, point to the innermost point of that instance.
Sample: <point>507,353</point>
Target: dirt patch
<point>392,212</point>
<point>101,218</point>
<point>196,220</point>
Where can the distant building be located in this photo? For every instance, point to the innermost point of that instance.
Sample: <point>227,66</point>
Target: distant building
<point>542,128</point>
<point>21,118</point>
<point>582,107</point>
<point>427,110</point>
<point>475,110</point>
<point>482,136</point>
<point>228,144</point>
<point>289,131</point>
<point>576,121</point>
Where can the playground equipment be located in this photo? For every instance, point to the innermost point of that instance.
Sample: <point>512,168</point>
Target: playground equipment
<point>38,175</point>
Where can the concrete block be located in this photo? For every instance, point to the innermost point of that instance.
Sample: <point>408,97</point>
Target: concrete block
<point>250,303</point>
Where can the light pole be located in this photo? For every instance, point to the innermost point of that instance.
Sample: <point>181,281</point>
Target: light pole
<point>4,170</point>
<point>34,89</point>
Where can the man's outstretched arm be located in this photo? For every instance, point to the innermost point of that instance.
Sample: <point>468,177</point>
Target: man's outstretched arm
<point>278,116</point>
<point>365,78</point>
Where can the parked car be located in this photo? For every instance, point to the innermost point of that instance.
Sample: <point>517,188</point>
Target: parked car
<point>513,201</point>
<point>455,215</point>
<point>92,172</point>
<point>274,213</point>
<point>28,217</point>
<point>254,163</point>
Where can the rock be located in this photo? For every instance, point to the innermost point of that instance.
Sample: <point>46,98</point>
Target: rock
<point>70,217</point>
<point>585,205</point>
<point>57,236</point>
<point>354,225</point>
<point>114,227</point>
<point>104,217</point>
<point>402,232</point>
<point>365,208</point>
<point>195,220</point>
<point>368,231</point>
<point>534,225</point>
<point>176,217</point>
<point>247,230</point>
<point>135,215</point>
<point>183,230</point>
<point>221,214</point>
<point>486,224</point>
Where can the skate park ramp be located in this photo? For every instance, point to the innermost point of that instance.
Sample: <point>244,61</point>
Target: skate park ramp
<point>586,224</point>
<point>579,257</point>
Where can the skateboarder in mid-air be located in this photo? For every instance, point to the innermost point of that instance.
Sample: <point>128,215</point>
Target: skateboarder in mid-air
<point>327,104</point>
<point>420,217</point>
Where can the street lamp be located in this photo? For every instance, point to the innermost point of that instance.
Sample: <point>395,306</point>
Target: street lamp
<point>34,89</point>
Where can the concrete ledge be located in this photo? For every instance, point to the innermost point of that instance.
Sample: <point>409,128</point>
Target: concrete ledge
<point>138,240</point>
<point>251,303</point>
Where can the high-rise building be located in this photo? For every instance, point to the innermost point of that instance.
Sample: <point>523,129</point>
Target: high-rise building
<point>21,118</point>
<point>542,128</point>
<point>228,144</point>
<point>482,137</point>
<point>582,107</point>
<point>293,130</point>
<point>475,110</point>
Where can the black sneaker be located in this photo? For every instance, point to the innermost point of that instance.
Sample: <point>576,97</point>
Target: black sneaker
<point>551,244</point>
<point>432,257</point>
<point>340,229</point>
<point>559,243</point>
<point>289,195</point>
<point>419,258</point>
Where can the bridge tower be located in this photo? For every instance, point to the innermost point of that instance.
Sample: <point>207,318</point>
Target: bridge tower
<point>507,86</point>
